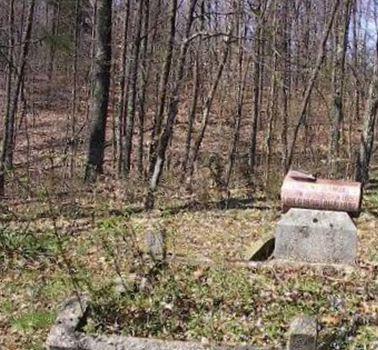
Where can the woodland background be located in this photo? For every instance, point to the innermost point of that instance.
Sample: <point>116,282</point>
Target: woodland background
<point>225,94</point>
<point>195,109</point>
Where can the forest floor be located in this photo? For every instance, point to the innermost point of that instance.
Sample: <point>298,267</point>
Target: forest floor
<point>51,250</point>
<point>58,237</point>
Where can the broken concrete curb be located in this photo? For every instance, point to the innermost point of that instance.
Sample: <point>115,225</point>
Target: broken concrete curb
<point>67,334</point>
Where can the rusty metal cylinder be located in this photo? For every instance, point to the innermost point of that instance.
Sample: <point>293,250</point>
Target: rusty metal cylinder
<point>301,190</point>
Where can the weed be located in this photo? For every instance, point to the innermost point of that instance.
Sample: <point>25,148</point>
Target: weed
<point>26,245</point>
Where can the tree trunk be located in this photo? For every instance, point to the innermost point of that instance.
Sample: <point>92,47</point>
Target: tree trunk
<point>286,80</point>
<point>132,106</point>
<point>95,158</point>
<point>145,79</point>
<point>238,117</point>
<point>311,83</point>
<point>257,83</point>
<point>74,89</point>
<point>341,40</point>
<point>166,135</point>
<point>192,113</point>
<point>206,112</point>
<point>122,102</point>
<point>54,32</point>
<point>367,135</point>
<point>272,109</point>
<point>196,87</point>
<point>6,161</point>
<point>163,88</point>
<point>92,56</point>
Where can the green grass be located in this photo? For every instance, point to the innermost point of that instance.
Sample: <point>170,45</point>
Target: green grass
<point>27,244</point>
<point>33,321</point>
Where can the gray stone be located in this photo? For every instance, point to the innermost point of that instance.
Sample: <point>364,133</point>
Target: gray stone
<point>156,244</point>
<point>131,343</point>
<point>260,250</point>
<point>303,334</point>
<point>316,236</point>
<point>120,286</point>
<point>62,334</point>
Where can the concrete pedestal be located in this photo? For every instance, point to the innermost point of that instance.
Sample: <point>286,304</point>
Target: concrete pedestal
<point>316,236</point>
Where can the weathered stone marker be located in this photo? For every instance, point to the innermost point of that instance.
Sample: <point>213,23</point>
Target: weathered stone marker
<point>316,236</point>
<point>317,227</point>
<point>303,334</point>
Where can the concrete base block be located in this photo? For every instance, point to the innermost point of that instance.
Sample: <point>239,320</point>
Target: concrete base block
<point>316,236</point>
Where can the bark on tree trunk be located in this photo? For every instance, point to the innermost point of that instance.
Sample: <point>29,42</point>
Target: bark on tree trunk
<point>272,112</point>
<point>122,102</point>
<point>238,121</point>
<point>341,39</point>
<point>6,161</point>
<point>192,114</point>
<point>74,89</point>
<point>163,88</point>
<point>286,80</point>
<point>92,56</point>
<point>95,157</point>
<point>145,79</point>
<point>257,83</point>
<point>367,135</point>
<point>196,91</point>
<point>134,84</point>
<point>241,82</point>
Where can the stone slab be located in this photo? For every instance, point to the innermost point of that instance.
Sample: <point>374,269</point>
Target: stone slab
<point>303,334</point>
<point>131,343</point>
<point>316,236</point>
<point>261,249</point>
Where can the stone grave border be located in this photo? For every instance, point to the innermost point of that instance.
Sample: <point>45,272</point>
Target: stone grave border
<point>67,334</point>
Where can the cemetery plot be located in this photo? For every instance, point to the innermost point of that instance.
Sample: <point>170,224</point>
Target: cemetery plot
<point>220,303</point>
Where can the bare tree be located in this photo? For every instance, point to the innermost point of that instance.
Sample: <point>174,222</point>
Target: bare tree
<point>122,101</point>
<point>260,13</point>
<point>242,80</point>
<point>166,134</point>
<point>311,83</point>
<point>127,146</point>
<point>340,46</point>
<point>206,111</point>
<point>6,161</point>
<point>196,91</point>
<point>163,87</point>
<point>367,135</point>
<point>95,158</point>
<point>73,116</point>
<point>146,66</point>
